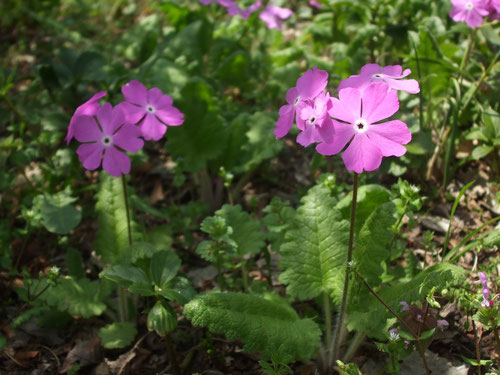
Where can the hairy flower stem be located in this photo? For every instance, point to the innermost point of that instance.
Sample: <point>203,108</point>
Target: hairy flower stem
<point>328,320</point>
<point>341,317</point>
<point>122,293</point>
<point>171,355</point>
<point>476,344</point>
<point>420,348</point>
<point>465,59</point>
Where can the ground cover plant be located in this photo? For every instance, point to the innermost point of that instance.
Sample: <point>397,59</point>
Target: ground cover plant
<point>250,187</point>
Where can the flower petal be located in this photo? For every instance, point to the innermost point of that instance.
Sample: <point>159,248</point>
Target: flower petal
<point>343,134</point>
<point>133,113</point>
<point>170,116</point>
<point>105,117</point>
<point>285,121</point>
<point>394,130</point>
<point>312,83</point>
<point>407,85</point>
<point>326,131</point>
<point>307,136</point>
<point>154,96</point>
<point>362,154</point>
<point>379,102</point>
<point>393,70</point>
<point>370,69</point>
<point>291,95</point>
<point>90,155</point>
<point>89,108</point>
<point>115,162</point>
<point>348,107</point>
<point>86,129</point>
<point>128,138</point>
<point>151,128</point>
<point>135,93</point>
<point>356,81</point>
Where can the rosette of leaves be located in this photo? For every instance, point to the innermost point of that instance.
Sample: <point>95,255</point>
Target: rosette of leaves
<point>262,325</point>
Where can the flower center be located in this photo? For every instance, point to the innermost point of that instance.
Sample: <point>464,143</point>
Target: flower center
<point>469,6</point>
<point>150,109</point>
<point>377,75</point>
<point>312,120</point>
<point>361,125</point>
<point>106,140</point>
<point>297,100</point>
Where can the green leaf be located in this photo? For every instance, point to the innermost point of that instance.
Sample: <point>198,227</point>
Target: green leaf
<point>179,289</point>
<point>82,297</point>
<point>371,317</point>
<point>481,151</point>
<point>163,268</point>
<point>74,263</point>
<point>162,318</point>
<point>112,234</point>
<point>261,324</point>
<point>139,250</point>
<point>315,249</point>
<point>372,244</point>
<point>125,275</point>
<point>200,138</point>
<point>57,218</point>
<point>117,335</point>
<point>246,232</point>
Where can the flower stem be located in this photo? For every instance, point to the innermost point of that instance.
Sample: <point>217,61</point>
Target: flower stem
<point>171,355</point>
<point>341,317</point>
<point>465,59</point>
<point>497,337</point>
<point>127,208</point>
<point>122,292</point>
<point>328,320</point>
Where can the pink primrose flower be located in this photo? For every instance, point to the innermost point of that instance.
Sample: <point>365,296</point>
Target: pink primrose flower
<point>315,3</point>
<point>314,121</point>
<point>483,279</point>
<point>392,74</point>
<point>272,16</point>
<point>308,87</point>
<point>150,108</point>
<point>88,108</point>
<point>245,13</point>
<point>359,114</point>
<point>104,137</point>
<point>469,11</point>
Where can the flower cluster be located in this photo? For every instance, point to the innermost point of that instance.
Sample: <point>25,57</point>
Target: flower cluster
<point>473,11</point>
<point>486,292</point>
<point>354,121</point>
<point>272,15</point>
<point>106,131</point>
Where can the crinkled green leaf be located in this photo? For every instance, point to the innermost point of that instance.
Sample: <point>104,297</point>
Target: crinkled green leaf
<point>117,335</point>
<point>261,324</point>
<point>125,275</point>
<point>112,234</point>
<point>57,218</point>
<point>246,232</point>
<point>315,249</point>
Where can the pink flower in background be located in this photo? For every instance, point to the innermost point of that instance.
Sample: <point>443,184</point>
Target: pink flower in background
<point>309,86</point>
<point>315,3</point>
<point>314,121</point>
<point>359,114</point>
<point>89,108</point>
<point>272,16</point>
<point>245,13</point>
<point>483,279</point>
<point>105,139</point>
<point>469,11</point>
<point>150,108</point>
<point>392,74</point>
<point>442,324</point>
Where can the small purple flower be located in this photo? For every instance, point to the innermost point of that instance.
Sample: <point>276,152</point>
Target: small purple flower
<point>442,324</point>
<point>245,13</point>
<point>392,74</point>
<point>89,108</point>
<point>151,109</point>
<point>404,306</point>
<point>273,15</point>
<point>104,137</point>
<point>483,279</point>
<point>393,334</point>
<point>308,87</point>
<point>469,11</point>
<point>314,121</point>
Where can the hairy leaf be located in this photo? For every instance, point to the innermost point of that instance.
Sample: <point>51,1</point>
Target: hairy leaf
<point>261,324</point>
<point>117,335</point>
<point>314,254</point>
<point>112,236</point>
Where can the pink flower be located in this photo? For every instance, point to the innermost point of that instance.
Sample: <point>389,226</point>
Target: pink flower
<point>404,306</point>
<point>245,13</point>
<point>442,324</point>
<point>315,3</point>
<point>314,121</point>
<point>483,279</point>
<point>310,85</point>
<point>371,73</point>
<point>150,108</point>
<point>88,108</point>
<point>272,16</point>
<point>104,136</point>
<point>469,11</point>
<point>359,113</point>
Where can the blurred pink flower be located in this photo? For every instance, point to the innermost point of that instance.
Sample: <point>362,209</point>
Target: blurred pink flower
<point>245,13</point>
<point>88,108</point>
<point>104,137</point>
<point>442,324</point>
<point>469,11</point>
<point>359,113</point>
<point>404,306</point>
<point>151,109</point>
<point>272,16</point>
<point>314,121</point>
<point>310,85</point>
<point>483,279</point>
<point>315,3</point>
<point>392,74</point>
